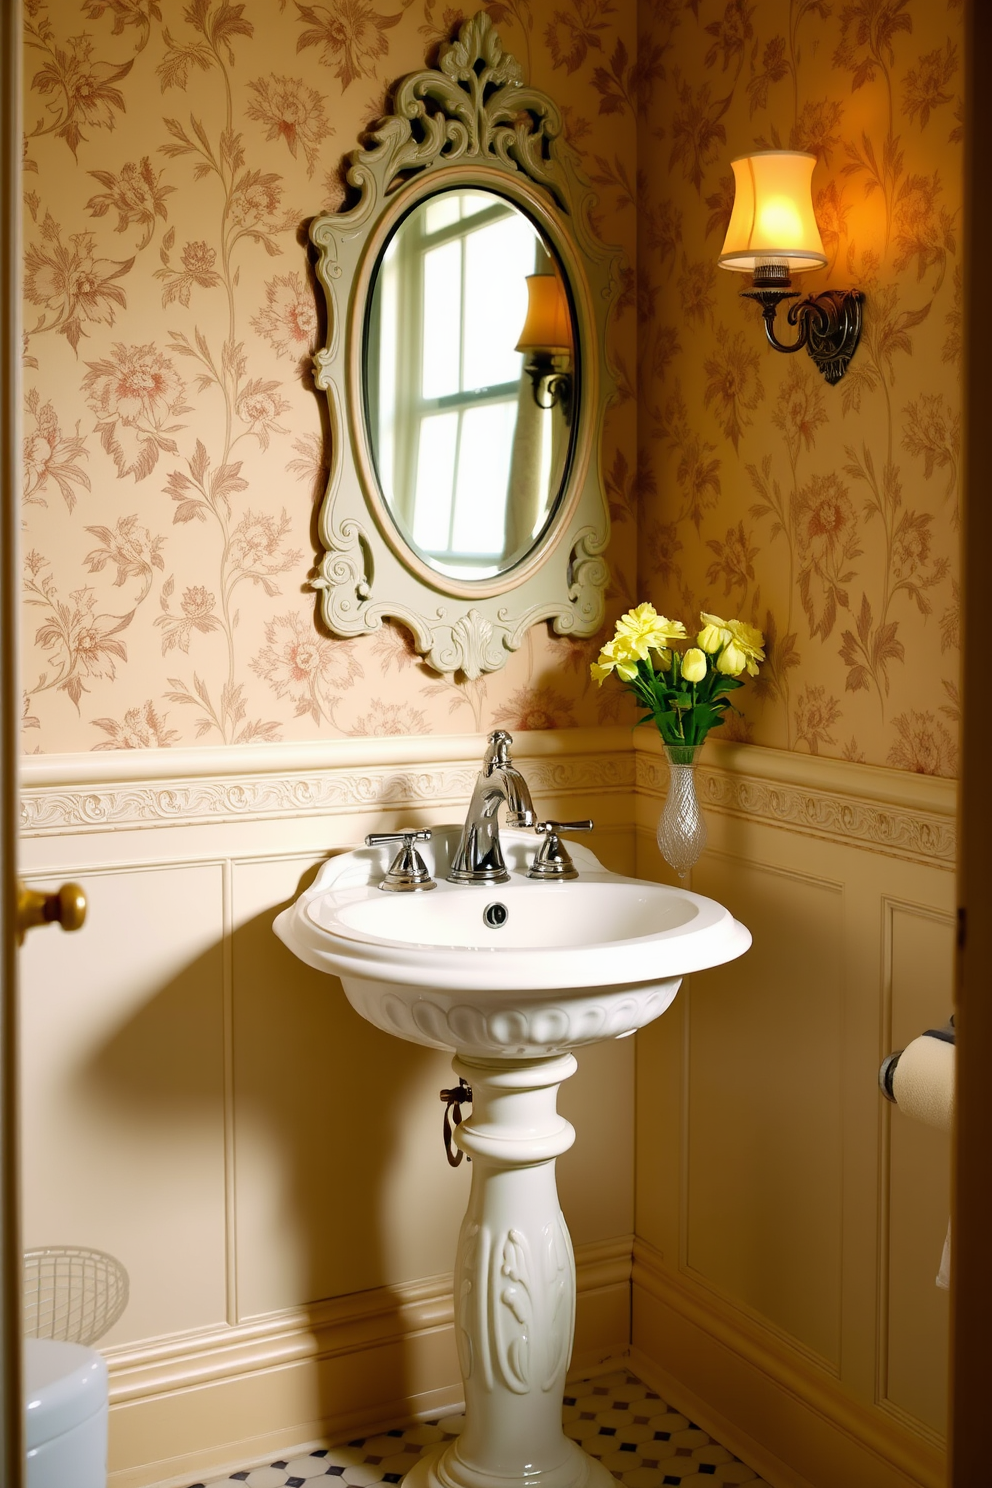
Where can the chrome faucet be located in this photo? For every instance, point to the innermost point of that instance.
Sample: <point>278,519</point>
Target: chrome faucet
<point>478,857</point>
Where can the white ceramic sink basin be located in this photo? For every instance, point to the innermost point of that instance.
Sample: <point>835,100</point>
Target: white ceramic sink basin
<point>571,963</point>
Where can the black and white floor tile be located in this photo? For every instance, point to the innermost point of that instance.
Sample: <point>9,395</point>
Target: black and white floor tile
<point>642,1441</point>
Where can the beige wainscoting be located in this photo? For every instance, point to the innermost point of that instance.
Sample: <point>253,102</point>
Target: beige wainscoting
<point>266,1165</point>
<point>789,1222</point>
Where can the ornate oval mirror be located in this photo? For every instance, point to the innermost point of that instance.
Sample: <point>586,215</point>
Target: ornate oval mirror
<point>468,300</point>
<point>470,381</point>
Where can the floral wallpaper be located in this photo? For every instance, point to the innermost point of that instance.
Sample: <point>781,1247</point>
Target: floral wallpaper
<point>825,515</point>
<point>175,446</point>
<point>174,443</point>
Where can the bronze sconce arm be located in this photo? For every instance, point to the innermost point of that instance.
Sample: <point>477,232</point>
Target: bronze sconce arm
<point>552,383</point>
<point>829,324</point>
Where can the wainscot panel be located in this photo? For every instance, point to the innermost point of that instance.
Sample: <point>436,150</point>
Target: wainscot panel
<point>267,1166</point>
<point>789,1222</point>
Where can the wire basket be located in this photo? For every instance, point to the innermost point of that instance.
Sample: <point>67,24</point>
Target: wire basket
<point>72,1294</point>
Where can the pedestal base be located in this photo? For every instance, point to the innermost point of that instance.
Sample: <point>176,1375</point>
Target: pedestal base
<point>441,1467</point>
<point>514,1289</point>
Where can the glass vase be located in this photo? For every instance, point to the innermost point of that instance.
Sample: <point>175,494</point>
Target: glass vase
<point>681,828</point>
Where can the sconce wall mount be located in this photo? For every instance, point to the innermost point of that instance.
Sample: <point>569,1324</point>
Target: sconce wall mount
<point>772,235</point>
<point>829,324</point>
<point>546,342</point>
<point>552,382</point>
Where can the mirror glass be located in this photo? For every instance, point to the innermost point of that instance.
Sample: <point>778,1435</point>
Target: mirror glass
<point>471,382</point>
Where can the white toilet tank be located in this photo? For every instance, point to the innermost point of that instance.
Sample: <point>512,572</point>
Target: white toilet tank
<point>65,1400</point>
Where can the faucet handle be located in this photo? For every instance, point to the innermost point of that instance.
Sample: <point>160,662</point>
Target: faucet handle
<point>408,871</point>
<point>552,860</point>
<point>497,750</point>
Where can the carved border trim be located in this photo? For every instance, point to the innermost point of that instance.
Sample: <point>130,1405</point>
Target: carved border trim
<point>889,811</point>
<point>116,805</point>
<point>902,831</point>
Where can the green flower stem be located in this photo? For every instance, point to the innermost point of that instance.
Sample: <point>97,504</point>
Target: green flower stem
<point>683,712</point>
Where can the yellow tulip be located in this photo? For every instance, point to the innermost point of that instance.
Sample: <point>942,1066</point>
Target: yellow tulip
<point>694,665</point>
<point>714,634</point>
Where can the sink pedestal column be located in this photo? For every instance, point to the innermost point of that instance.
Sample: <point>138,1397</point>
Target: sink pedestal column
<point>514,1289</point>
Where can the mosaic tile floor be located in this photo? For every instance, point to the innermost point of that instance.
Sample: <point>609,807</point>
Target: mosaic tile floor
<point>640,1439</point>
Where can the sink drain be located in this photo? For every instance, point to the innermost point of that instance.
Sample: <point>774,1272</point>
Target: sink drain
<point>495,915</point>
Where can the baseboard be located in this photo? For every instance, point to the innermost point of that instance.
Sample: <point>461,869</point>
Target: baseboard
<point>262,1448</point>
<point>229,1398</point>
<point>724,1369</point>
<point>729,1434</point>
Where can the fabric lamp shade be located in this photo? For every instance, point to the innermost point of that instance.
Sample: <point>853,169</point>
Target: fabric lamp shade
<point>772,221</point>
<point>548,325</point>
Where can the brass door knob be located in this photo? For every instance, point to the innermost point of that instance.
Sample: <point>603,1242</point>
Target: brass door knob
<point>67,907</point>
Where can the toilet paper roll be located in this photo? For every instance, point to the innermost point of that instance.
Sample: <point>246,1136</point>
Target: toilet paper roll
<point>923,1081</point>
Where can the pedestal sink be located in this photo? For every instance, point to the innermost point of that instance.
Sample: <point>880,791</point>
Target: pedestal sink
<point>511,991</point>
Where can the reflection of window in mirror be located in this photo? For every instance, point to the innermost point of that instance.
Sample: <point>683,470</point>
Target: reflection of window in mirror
<point>468,462</point>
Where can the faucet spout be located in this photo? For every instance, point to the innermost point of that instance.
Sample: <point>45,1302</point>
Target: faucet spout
<point>479,857</point>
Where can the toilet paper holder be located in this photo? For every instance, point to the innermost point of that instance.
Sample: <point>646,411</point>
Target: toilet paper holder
<point>885,1073</point>
<point>887,1069</point>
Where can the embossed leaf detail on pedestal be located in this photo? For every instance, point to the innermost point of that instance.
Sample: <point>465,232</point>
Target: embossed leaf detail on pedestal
<point>515,1313</point>
<point>560,1294</point>
<point>467,1292</point>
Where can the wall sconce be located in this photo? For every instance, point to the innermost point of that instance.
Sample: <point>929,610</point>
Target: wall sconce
<point>546,341</point>
<point>772,235</point>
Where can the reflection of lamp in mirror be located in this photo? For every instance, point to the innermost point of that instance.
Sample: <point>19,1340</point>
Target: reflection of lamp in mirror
<point>546,342</point>
<point>773,235</point>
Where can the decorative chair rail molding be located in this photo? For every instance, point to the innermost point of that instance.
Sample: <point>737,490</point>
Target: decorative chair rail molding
<point>891,811</point>
<point>151,788</point>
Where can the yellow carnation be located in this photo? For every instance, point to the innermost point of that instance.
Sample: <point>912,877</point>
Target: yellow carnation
<point>749,643</point>
<point>616,655</point>
<point>643,629</point>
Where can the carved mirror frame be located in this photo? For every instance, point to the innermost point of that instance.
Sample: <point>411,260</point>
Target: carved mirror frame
<point>470,122</point>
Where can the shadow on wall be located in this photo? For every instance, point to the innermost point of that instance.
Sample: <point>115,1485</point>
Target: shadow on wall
<point>335,1178</point>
